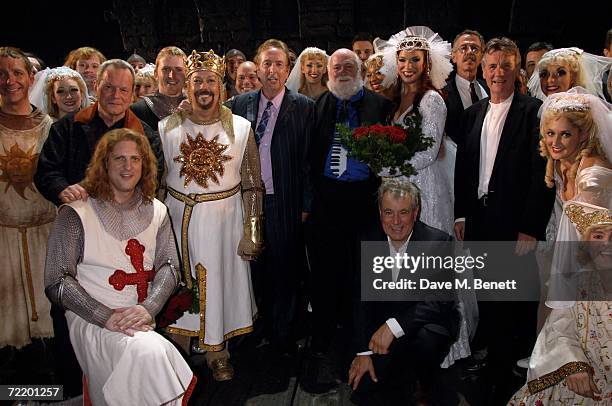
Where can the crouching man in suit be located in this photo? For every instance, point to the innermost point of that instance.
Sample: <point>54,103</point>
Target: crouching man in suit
<point>405,340</point>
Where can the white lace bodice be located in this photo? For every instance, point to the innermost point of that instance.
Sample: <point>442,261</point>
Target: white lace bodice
<point>434,177</point>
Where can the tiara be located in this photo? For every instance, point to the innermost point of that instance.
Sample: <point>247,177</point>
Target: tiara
<point>584,220</point>
<point>568,102</point>
<point>62,72</point>
<point>206,61</point>
<point>413,42</point>
<point>563,52</point>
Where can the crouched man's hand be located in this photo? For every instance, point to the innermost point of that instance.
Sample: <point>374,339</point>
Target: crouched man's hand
<point>360,365</point>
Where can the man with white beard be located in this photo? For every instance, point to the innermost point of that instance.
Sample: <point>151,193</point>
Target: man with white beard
<point>343,202</point>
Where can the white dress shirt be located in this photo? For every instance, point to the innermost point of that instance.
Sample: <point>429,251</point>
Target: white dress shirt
<point>393,324</point>
<point>463,86</point>
<point>490,135</point>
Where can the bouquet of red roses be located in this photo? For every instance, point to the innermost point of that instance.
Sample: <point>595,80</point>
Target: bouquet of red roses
<point>386,146</point>
<point>176,306</point>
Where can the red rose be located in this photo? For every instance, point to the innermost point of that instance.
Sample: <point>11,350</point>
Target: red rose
<point>360,132</point>
<point>377,128</point>
<point>176,306</point>
<point>396,135</point>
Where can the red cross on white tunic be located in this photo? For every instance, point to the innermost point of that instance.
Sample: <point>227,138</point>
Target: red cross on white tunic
<point>141,278</point>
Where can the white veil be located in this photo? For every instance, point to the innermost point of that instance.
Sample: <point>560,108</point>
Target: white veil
<point>579,98</point>
<point>592,67</point>
<point>37,91</point>
<point>295,77</point>
<point>594,192</point>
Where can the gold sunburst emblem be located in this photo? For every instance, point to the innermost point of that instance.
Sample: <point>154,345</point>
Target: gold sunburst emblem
<point>18,168</point>
<point>202,160</point>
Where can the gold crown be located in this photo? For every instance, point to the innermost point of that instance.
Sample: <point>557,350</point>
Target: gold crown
<point>413,42</point>
<point>206,61</point>
<point>584,220</point>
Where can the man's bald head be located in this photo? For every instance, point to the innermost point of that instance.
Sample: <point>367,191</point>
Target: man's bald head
<point>246,77</point>
<point>343,54</point>
<point>344,68</point>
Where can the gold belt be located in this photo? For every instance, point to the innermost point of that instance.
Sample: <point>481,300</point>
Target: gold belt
<point>191,200</point>
<point>23,230</point>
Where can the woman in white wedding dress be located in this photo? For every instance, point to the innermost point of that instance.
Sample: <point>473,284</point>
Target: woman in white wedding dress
<point>570,363</point>
<point>423,64</point>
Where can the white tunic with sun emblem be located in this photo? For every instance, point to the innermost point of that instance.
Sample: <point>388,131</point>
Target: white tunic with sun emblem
<point>201,166</point>
<point>25,222</point>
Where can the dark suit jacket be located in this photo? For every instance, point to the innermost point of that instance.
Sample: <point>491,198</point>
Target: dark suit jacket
<point>454,108</point>
<point>441,317</point>
<point>519,200</point>
<point>371,109</point>
<point>289,152</point>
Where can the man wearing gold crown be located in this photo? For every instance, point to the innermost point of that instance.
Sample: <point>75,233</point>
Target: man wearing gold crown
<point>215,202</point>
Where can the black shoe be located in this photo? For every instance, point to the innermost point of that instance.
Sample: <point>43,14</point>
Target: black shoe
<point>313,380</point>
<point>471,365</point>
<point>285,348</point>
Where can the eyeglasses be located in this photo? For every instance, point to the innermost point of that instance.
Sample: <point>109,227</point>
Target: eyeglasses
<point>465,48</point>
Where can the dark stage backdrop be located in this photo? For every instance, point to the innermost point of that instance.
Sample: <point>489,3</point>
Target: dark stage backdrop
<point>119,27</point>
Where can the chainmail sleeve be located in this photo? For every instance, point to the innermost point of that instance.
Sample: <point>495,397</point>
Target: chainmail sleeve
<point>166,263</point>
<point>252,195</point>
<point>64,252</point>
<point>252,191</point>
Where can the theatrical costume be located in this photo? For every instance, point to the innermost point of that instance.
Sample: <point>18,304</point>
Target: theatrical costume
<point>577,335</point>
<point>151,109</point>
<point>214,189</point>
<point>433,178</point>
<point>25,222</point>
<point>573,339</point>
<point>106,255</point>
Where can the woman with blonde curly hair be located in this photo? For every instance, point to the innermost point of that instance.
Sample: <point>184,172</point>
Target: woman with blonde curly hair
<point>562,69</point>
<point>145,83</point>
<point>568,364</point>
<point>65,92</point>
<point>59,91</point>
<point>381,75</point>
<point>569,143</point>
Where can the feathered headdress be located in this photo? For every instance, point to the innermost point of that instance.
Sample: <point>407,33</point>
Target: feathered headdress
<point>422,38</point>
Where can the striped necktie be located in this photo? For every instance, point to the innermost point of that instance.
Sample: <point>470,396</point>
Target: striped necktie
<point>263,123</point>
